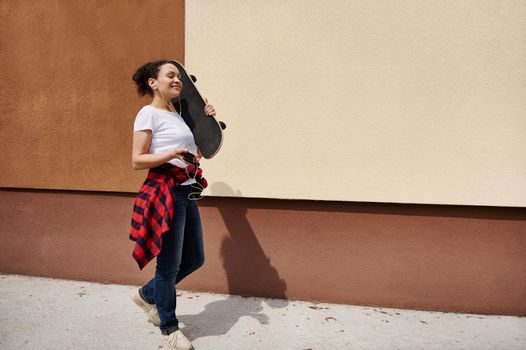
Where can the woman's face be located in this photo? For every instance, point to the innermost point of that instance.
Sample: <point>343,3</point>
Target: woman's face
<point>168,81</point>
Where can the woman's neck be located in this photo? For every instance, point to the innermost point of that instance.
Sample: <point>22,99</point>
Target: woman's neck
<point>159,103</point>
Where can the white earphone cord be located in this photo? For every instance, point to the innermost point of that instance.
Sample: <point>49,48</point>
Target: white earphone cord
<point>196,195</point>
<point>170,106</point>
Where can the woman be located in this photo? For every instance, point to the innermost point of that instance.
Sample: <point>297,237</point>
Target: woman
<point>165,222</point>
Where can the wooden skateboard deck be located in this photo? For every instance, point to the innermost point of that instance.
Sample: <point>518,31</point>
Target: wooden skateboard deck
<point>208,133</point>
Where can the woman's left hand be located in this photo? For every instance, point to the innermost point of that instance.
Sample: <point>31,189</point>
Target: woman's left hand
<point>209,109</point>
<point>198,156</point>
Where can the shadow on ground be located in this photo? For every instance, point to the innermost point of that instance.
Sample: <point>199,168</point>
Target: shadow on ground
<point>249,273</point>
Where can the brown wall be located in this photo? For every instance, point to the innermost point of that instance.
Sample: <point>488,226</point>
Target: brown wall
<point>69,101</point>
<point>470,259</point>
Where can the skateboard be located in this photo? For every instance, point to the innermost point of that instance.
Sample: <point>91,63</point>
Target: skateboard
<point>208,132</point>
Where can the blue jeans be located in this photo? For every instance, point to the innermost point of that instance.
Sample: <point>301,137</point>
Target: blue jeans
<point>181,254</point>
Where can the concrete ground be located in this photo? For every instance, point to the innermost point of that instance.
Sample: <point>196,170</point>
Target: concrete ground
<point>42,313</point>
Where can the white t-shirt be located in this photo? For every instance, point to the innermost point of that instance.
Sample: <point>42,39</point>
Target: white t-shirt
<point>169,131</point>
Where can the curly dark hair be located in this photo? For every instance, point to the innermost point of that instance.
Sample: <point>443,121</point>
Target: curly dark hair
<point>145,72</point>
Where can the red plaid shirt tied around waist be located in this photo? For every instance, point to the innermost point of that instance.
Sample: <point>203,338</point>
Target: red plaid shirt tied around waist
<point>153,209</point>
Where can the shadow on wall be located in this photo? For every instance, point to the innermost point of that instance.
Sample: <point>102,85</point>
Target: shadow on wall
<point>249,271</point>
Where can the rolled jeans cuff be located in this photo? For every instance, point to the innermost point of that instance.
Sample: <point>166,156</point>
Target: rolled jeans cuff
<point>169,330</point>
<point>144,298</point>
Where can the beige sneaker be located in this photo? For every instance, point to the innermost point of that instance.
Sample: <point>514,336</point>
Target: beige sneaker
<point>177,341</point>
<point>150,309</point>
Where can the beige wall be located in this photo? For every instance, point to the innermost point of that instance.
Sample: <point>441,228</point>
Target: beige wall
<point>406,101</point>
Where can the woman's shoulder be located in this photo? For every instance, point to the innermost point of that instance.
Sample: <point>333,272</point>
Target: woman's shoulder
<point>146,118</point>
<point>151,110</point>
<point>146,109</point>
